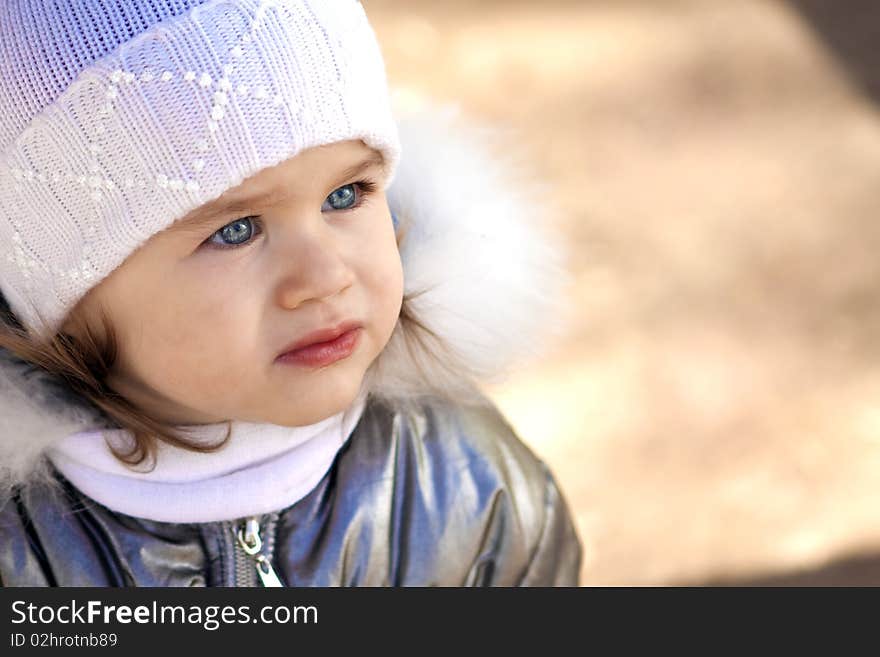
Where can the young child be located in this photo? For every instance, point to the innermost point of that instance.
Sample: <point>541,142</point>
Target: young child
<point>234,353</point>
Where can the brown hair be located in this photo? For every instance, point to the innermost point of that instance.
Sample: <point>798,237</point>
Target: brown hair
<point>83,364</point>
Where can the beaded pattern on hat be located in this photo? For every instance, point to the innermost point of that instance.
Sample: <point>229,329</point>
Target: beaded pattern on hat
<point>170,120</point>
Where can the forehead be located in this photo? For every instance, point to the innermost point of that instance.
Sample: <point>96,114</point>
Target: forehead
<point>311,166</point>
<point>318,167</point>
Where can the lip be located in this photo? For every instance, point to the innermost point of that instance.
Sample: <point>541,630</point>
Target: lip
<point>324,346</point>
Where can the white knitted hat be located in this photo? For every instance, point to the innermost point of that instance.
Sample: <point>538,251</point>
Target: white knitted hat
<point>119,117</point>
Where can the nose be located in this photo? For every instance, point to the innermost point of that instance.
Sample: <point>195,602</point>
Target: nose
<point>314,266</point>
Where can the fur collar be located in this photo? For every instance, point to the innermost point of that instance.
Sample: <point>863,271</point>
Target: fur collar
<point>484,279</point>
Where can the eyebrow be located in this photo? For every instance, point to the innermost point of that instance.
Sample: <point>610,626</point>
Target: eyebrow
<point>212,211</point>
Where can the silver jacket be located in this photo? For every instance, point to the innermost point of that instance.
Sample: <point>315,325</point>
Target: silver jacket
<point>432,488</point>
<point>445,495</point>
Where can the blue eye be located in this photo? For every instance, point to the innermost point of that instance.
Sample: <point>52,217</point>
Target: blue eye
<point>343,198</point>
<point>235,234</point>
<point>241,232</point>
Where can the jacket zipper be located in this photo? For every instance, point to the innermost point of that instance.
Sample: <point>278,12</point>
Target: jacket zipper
<point>249,555</point>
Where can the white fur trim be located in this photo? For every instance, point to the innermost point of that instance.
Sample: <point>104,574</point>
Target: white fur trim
<point>476,245</point>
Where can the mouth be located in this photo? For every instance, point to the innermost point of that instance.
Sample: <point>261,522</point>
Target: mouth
<point>323,347</point>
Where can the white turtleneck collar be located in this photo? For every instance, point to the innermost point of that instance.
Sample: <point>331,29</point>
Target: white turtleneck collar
<point>262,468</point>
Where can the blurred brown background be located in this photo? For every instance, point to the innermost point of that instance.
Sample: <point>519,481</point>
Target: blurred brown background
<point>714,413</point>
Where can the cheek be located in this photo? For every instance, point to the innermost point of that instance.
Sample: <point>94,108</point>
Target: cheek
<point>192,339</point>
<point>382,273</point>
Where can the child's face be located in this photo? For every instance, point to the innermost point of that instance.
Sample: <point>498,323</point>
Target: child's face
<point>200,326</point>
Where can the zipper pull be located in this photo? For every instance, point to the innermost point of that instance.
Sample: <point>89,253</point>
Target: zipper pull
<point>248,536</point>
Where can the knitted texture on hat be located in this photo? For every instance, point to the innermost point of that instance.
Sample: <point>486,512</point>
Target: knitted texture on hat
<point>116,119</point>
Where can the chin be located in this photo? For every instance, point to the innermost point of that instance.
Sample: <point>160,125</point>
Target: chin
<point>314,407</point>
